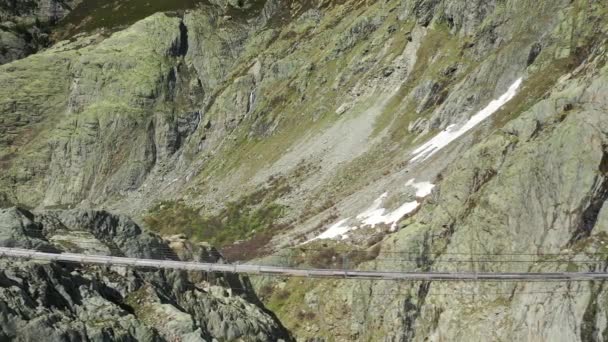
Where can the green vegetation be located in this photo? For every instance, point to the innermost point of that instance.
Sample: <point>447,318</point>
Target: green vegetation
<point>235,222</point>
<point>249,217</point>
<point>334,258</point>
<point>95,14</point>
<point>535,87</point>
<point>328,254</point>
<point>138,301</point>
<point>69,246</point>
<point>438,59</point>
<point>4,201</point>
<point>295,301</point>
<point>283,301</point>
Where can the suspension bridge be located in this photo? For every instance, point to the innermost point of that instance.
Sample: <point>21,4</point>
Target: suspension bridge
<point>254,269</point>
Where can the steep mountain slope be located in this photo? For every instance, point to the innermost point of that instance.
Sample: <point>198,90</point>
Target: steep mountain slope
<point>278,122</point>
<point>530,198</point>
<point>211,104</point>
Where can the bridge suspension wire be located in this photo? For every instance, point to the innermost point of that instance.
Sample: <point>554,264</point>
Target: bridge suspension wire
<point>344,261</point>
<point>168,254</point>
<point>481,293</point>
<point>425,253</point>
<point>294,272</point>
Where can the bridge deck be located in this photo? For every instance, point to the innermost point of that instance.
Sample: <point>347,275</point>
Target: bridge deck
<point>294,272</point>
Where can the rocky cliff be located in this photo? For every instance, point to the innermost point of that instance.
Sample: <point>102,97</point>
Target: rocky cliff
<point>27,26</point>
<point>65,302</point>
<point>530,198</point>
<point>262,125</point>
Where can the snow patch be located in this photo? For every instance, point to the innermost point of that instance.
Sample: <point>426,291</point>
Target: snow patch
<point>451,133</point>
<point>334,231</point>
<point>375,207</point>
<point>375,214</point>
<point>423,189</point>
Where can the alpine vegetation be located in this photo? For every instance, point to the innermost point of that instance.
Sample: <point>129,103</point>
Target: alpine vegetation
<point>319,170</point>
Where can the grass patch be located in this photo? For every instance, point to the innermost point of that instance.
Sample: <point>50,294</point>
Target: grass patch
<point>91,15</point>
<point>235,222</point>
<point>4,201</point>
<point>138,301</point>
<point>283,301</point>
<point>533,89</point>
<point>252,218</point>
<point>333,255</point>
<point>95,14</point>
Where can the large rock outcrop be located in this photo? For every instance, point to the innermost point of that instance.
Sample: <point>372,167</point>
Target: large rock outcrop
<point>26,26</point>
<point>69,302</point>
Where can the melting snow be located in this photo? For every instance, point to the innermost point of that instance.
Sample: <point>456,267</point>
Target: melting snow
<point>423,189</point>
<point>334,231</point>
<point>376,206</point>
<point>375,214</point>
<point>378,216</point>
<point>451,133</point>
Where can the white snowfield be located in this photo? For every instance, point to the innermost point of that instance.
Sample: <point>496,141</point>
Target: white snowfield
<point>452,133</point>
<point>375,214</point>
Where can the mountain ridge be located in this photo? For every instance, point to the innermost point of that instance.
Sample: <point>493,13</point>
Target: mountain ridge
<point>262,125</point>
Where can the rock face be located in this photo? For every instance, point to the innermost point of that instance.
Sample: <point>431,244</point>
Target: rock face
<point>531,197</point>
<point>317,107</point>
<point>223,96</point>
<point>64,302</point>
<point>534,189</point>
<point>25,26</point>
<point>121,108</point>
